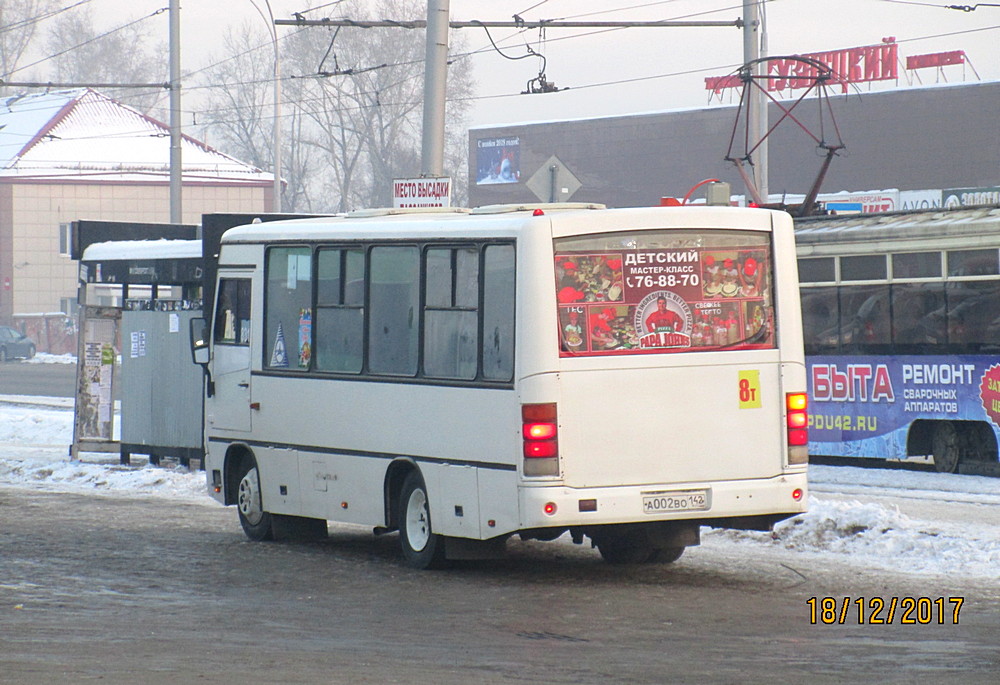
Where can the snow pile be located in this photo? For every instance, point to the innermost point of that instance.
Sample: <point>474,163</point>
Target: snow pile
<point>879,536</point>
<point>173,482</point>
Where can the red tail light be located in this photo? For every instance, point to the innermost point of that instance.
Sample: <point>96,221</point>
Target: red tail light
<point>540,430</point>
<point>797,422</point>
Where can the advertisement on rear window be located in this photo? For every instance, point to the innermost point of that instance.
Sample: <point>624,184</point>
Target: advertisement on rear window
<point>863,406</point>
<point>663,300</point>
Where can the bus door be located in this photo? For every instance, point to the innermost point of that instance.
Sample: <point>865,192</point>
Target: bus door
<point>229,408</point>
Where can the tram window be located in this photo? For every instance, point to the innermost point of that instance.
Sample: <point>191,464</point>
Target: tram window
<point>820,316</point>
<point>973,263</point>
<point>862,268</point>
<point>974,314</point>
<point>817,270</point>
<point>918,315</point>
<point>916,265</point>
<point>864,318</point>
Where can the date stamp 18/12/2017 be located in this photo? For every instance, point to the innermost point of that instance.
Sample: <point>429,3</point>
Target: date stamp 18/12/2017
<point>884,610</point>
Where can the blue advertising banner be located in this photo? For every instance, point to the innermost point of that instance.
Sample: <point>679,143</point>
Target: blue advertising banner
<point>862,406</point>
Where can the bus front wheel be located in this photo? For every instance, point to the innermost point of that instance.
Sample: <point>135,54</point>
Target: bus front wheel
<point>945,447</point>
<point>255,521</point>
<point>421,547</point>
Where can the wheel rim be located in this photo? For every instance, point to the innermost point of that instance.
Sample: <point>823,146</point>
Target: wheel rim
<point>418,528</point>
<point>946,448</point>
<point>249,497</point>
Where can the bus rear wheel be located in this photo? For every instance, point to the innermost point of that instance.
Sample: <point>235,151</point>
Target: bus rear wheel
<point>255,521</point>
<point>945,446</point>
<point>666,555</point>
<point>421,547</point>
<point>630,547</point>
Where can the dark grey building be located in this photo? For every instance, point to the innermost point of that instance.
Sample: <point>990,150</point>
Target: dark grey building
<point>909,139</point>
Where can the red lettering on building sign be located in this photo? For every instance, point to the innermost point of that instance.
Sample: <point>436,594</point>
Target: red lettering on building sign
<point>937,59</point>
<point>850,65</point>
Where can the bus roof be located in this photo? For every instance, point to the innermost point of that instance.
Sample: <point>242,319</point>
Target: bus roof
<point>492,220</point>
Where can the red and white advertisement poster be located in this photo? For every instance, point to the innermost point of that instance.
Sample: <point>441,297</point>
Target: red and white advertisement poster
<point>663,300</point>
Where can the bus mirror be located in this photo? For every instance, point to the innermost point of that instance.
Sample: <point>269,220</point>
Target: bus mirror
<point>199,341</point>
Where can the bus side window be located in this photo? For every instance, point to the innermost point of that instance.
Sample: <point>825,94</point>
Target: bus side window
<point>498,313</point>
<point>340,314</point>
<point>393,320</point>
<point>288,308</point>
<point>451,321</point>
<point>232,314</point>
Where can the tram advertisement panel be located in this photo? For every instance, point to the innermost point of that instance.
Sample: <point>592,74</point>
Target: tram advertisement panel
<point>638,301</point>
<point>862,406</point>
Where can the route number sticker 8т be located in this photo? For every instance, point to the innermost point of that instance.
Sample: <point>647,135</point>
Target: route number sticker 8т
<point>749,389</point>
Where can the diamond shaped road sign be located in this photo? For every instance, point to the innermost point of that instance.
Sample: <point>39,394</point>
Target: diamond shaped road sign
<point>553,182</point>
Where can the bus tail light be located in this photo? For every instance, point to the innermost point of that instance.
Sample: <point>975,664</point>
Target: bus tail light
<point>797,422</point>
<point>540,433</point>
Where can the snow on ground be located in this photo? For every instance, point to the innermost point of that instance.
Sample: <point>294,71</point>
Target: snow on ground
<point>854,514</point>
<point>35,434</point>
<point>46,358</point>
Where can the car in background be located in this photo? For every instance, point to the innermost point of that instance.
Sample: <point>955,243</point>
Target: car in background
<point>14,343</point>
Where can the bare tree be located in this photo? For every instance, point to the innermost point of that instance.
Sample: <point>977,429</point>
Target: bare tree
<point>83,53</point>
<point>239,116</point>
<point>19,22</point>
<point>352,109</point>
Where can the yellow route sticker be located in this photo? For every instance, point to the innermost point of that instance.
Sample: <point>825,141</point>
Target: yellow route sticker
<point>749,389</point>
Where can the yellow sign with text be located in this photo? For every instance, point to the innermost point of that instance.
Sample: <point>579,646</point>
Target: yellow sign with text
<point>749,389</point>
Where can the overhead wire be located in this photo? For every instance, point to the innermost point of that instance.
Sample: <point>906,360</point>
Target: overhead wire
<point>89,40</point>
<point>41,17</point>
<point>512,94</point>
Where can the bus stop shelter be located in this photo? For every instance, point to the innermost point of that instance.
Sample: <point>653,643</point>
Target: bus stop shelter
<point>136,300</point>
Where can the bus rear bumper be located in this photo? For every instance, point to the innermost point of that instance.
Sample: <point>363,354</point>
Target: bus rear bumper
<point>726,504</point>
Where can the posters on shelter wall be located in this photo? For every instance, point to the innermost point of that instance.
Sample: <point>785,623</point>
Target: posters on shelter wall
<point>663,300</point>
<point>498,160</point>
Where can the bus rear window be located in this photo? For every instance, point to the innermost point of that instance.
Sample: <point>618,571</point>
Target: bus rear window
<point>664,291</point>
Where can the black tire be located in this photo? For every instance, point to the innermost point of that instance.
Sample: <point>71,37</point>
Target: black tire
<point>255,521</point>
<point>946,447</point>
<point>626,548</point>
<point>421,547</point>
<point>666,555</point>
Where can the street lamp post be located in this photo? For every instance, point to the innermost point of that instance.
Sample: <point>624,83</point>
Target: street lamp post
<point>276,142</point>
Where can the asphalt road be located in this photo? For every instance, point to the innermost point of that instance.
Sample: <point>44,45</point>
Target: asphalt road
<point>101,587</point>
<point>49,380</point>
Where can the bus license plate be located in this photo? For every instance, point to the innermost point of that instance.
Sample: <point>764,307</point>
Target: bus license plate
<point>676,500</point>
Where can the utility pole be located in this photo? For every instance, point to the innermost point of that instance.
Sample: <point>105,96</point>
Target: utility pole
<point>757,104</point>
<point>435,87</point>
<point>176,177</point>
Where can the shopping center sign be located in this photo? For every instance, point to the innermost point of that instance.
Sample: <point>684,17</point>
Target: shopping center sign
<point>851,65</point>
